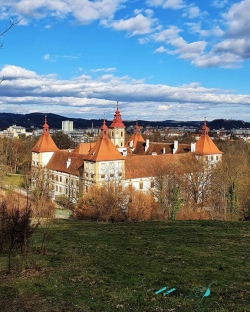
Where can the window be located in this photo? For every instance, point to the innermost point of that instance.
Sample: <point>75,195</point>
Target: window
<point>102,176</point>
<point>87,174</point>
<point>60,189</point>
<point>121,144</point>
<point>56,177</point>
<point>120,174</point>
<point>217,157</point>
<point>56,188</point>
<point>212,157</point>
<point>77,183</point>
<point>60,178</point>
<point>121,134</point>
<point>141,185</point>
<point>67,180</point>
<point>111,175</point>
<point>152,184</point>
<point>92,176</point>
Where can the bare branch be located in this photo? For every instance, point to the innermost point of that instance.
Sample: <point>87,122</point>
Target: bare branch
<point>12,24</point>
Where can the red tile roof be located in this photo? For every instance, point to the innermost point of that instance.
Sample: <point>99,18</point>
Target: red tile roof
<point>136,137</point>
<point>117,121</point>
<point>141,166</point>
<point>45,143</point>
<point>103,150</point>
<point>84,148</point>
<point>58,162</point>
<point>158,148</point>
<point>205,146</point>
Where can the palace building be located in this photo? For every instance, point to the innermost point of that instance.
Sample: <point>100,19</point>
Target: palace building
<point>134,163</point>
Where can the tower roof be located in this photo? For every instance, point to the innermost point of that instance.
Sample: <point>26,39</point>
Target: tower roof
<point>136,136</point>
<point>45,143</point>
<point>83,148</point>
<point>205,146</point>
<point>117,121</point>
<point>104,149</point>
<point>104,129</point>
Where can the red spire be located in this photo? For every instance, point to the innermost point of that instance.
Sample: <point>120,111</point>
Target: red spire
<point>205,129</point>
<point>117,121</point>
<point>45,126</point>
<point>104,129</point>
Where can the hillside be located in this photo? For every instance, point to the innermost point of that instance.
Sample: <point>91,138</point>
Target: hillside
<point>105,267</point>
<point>36,120</point>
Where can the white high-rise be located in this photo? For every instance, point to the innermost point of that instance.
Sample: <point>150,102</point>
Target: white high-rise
<point>67,126</point>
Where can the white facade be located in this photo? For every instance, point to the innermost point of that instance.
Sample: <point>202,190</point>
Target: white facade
<point>14,131</point>
<point>67,126</point>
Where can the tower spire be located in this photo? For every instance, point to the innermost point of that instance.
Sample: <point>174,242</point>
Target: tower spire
<point>104,129</point>
<point>205,129</point>
<point>136,127</point>
<point>45,126</point>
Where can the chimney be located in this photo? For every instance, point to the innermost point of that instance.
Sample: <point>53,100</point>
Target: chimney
<point>193,147</point>
<point>131,143</point>
<point>68,162</point>
<point>175,146</point>
<point>164,150</point>
<point>147,145</point>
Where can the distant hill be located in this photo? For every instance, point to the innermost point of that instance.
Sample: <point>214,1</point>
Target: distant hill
<point>36,120</point>
<point>228,124</point>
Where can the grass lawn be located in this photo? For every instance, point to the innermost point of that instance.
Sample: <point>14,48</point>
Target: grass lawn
<point>120,266</point>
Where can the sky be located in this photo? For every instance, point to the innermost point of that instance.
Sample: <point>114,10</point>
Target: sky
<point>160,59</point>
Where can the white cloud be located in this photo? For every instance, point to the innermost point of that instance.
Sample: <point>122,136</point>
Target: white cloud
<point>161,49</point>
<point>224,60</point>
<point>238,19</point>
<point>76,96</point>
<point>167,34</point>
<point>188,50</point>
<point>193,12</point>
<point>167,4</point>
<point>84,11</point>
<point>137,25</point>
<point>97,70</point>
<point>219,3</point>
<point>16,72</point>
<point>46,57</point>
<point>240,47</point>
<point>143,40</point>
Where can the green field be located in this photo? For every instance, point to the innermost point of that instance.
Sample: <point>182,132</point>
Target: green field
<point>120,266</point>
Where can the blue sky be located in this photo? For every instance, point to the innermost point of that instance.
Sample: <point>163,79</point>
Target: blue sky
<point>160,59</point>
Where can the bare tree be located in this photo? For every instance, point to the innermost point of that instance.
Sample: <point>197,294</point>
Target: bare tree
<point>12,23</point>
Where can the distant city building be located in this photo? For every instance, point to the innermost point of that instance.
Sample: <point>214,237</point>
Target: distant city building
<point>67,126</point>
<point>241,131</point>
<point>14,131</point>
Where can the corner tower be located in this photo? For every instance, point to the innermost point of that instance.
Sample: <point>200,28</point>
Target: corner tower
<point>206,148</point>
<point>44,148</point>
<point>117,129</point>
